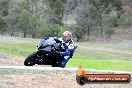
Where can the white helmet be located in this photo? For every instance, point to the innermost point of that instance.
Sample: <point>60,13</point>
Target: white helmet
<point>67,33</point>
<point>67,36</point>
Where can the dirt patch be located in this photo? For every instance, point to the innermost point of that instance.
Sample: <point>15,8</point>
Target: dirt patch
<point>51,80</point>
<point>6,59</point>
<point>106,50</point>
<point>12,40</point>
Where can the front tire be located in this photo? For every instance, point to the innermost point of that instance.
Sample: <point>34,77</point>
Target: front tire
<point>30,60</point>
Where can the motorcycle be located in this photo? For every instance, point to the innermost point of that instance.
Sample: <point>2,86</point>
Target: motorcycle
<point>48,53</point>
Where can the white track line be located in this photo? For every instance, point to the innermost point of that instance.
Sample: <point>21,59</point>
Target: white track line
<point>39,68</point>
<point>60,69</point>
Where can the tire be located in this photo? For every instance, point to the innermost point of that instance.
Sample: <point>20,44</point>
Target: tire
<point>81,80</point>
<point>54,64</point>
<point>30,60</point>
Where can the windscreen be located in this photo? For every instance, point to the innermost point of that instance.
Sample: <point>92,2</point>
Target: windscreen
<point>45,42</point>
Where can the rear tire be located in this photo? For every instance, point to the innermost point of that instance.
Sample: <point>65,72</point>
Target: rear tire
<point>30,60</point>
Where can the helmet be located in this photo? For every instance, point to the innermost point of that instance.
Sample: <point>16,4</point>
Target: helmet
<point>67,36</point>
<point>67,33</point>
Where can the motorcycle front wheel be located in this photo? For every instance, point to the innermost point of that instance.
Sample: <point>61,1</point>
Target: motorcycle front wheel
<point>30,60</point>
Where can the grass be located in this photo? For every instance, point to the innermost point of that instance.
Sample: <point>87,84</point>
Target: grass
<point>92,59</point>
<point>102,64</point>
<point>100,55</point>
<point>18,46</point>
<point>20,49</point>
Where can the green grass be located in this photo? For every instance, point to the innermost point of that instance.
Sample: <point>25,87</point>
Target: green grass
<point>101,55</point>
<point>91,59</point>
<point>20,50</point>
<point>18,46</point>
<point>101,64</point>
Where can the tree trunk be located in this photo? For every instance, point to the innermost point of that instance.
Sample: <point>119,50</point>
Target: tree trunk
<point>100,20</point>
<point>103,29</point>
<point>34,13</point>
<point>78,38</point>
<point>24,33</point>
<point>34,7</point>
<point>33,35</point>
<point>88,31</point>
<point>104,34</point>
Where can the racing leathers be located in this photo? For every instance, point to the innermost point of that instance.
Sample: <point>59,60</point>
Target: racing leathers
<point>69,50</point>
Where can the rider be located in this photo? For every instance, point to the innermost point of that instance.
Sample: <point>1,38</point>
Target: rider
<point>70,47</point>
